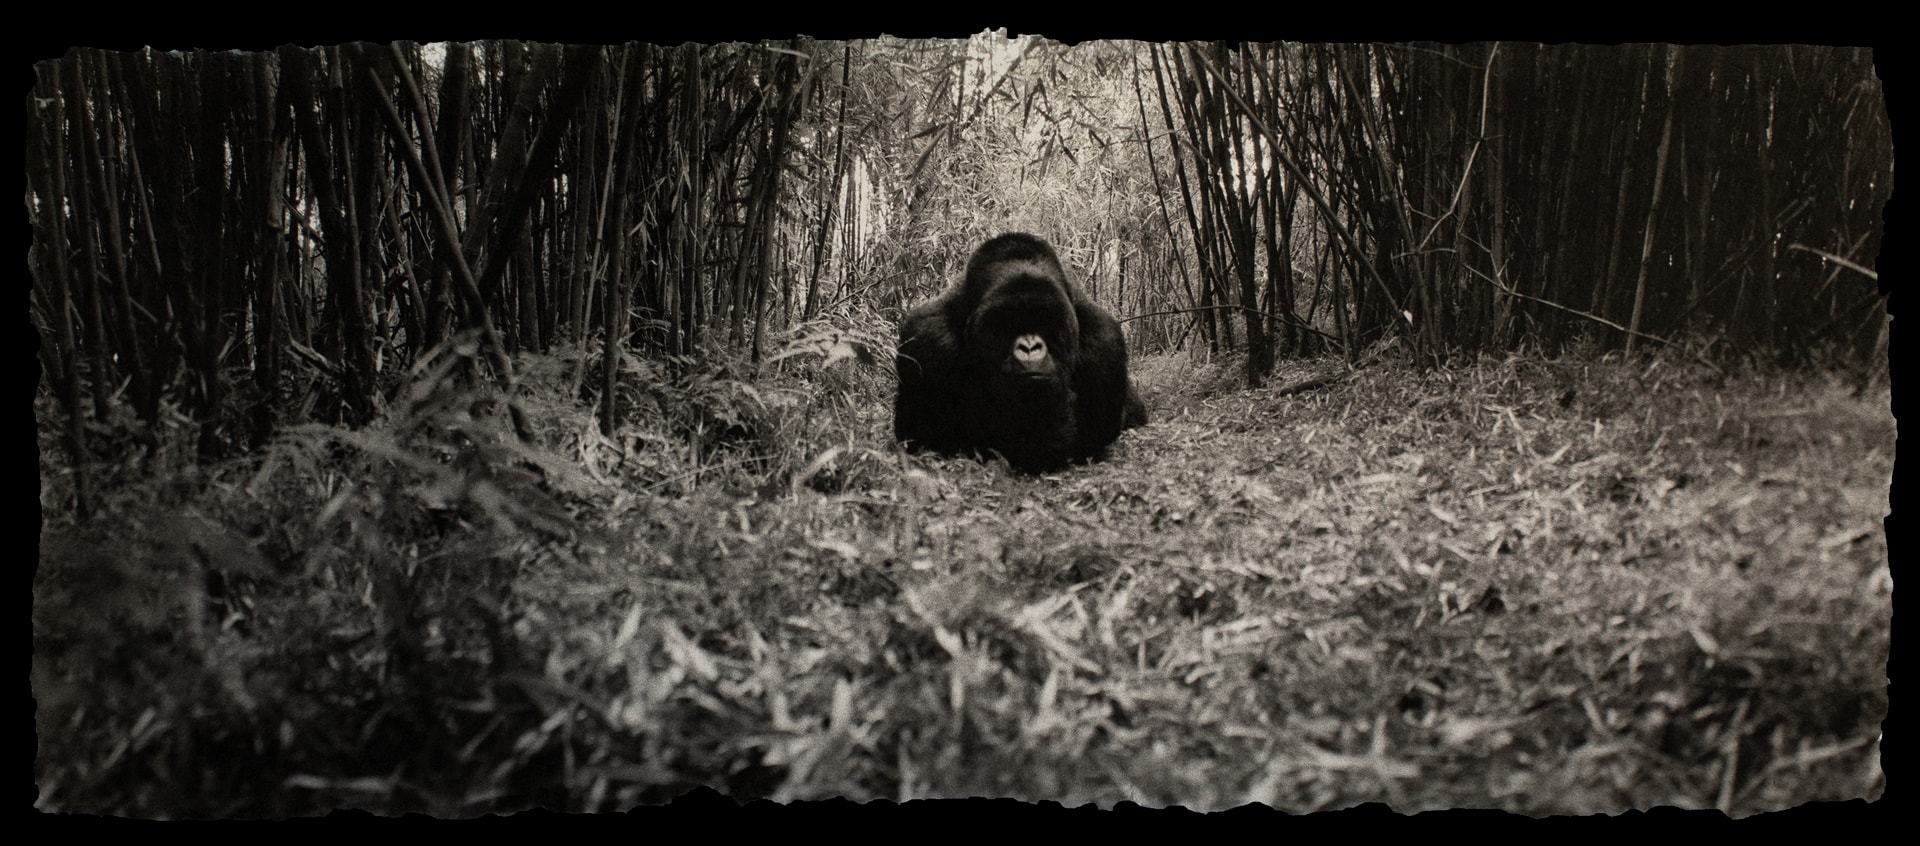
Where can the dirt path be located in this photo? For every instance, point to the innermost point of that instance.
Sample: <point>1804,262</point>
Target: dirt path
<point>1561,588</point>
<point>1565,587</point>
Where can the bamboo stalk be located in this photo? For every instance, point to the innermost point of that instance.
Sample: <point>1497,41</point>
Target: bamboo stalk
<point>1653,210</point>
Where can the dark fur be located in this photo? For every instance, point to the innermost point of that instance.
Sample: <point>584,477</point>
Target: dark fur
<point>1014,361</point>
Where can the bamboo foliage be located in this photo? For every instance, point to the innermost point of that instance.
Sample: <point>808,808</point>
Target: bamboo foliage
<point>1487,195</point>
<point>225,243</point>
<point>248,239</point>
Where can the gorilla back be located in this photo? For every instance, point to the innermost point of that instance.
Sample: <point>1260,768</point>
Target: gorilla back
<point>1014,361</point>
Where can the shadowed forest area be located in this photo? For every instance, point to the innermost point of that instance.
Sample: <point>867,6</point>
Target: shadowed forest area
<point>464,428</point>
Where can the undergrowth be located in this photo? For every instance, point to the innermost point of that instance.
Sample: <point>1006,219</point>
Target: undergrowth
<point>1562,586</point>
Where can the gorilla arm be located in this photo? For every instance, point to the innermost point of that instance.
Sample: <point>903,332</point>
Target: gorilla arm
<point>929,412</point>
<point>1104,395</point>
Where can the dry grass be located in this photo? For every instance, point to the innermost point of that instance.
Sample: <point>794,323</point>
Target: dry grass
<point>1545,587</point>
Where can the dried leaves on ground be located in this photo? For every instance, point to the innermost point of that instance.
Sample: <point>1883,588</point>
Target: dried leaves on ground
<point>1568,586</point>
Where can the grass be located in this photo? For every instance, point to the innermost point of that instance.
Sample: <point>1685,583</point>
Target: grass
<point>1549,587</point>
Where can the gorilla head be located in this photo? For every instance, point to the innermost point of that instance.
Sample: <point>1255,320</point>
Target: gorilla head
<point>1014,361</point>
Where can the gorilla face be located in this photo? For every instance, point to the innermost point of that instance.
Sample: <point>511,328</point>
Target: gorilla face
<point>1014,361</point>
<point>1024,325</point>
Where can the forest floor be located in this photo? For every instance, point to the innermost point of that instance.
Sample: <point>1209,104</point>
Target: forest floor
<point>1550,587</point>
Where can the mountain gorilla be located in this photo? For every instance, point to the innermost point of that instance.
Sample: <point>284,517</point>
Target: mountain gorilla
<point>1014,361</point>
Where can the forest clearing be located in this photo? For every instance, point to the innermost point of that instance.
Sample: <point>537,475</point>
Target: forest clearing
<point>465,429</point>
<point>1552,587</point>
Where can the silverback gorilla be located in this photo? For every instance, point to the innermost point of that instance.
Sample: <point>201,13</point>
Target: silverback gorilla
<point>1014,361</point>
